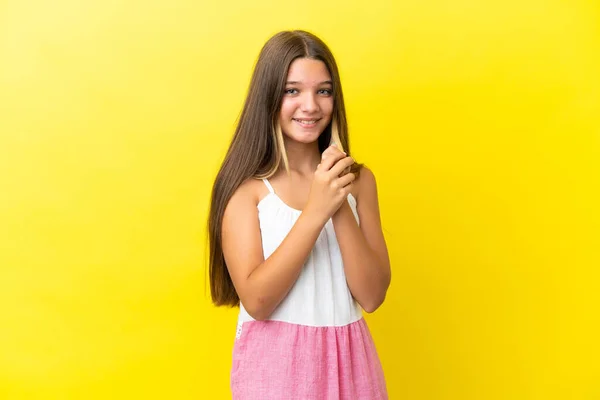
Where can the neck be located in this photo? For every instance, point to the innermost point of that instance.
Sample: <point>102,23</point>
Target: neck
<point>303,158</point>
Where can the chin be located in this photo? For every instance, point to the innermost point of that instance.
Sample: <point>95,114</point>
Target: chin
<point>306,139</point>
<point>304,136</point>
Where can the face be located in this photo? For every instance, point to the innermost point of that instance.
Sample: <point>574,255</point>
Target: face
<point>307,103</point>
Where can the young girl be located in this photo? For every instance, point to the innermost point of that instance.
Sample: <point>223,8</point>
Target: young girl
<point>295,235</point>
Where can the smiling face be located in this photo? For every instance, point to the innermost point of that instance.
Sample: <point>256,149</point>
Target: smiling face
<point>307,103</point>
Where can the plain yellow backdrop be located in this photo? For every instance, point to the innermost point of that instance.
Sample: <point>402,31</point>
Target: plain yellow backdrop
<point>480,120</point>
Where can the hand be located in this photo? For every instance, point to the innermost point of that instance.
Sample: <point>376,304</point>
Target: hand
<point>331,184</point>
<point>333,151</point>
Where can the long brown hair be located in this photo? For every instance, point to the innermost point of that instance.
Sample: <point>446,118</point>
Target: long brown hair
<point>257,149</point>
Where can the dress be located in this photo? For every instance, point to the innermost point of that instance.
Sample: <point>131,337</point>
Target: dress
<point>316,344</point>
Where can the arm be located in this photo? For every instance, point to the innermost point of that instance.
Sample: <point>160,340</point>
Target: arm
<point>262,284</point>
<point>364,252</point>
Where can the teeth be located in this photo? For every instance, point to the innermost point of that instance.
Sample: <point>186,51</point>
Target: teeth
<point>307,122</point>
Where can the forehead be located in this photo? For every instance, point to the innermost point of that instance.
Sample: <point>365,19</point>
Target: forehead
<point>307,70</point>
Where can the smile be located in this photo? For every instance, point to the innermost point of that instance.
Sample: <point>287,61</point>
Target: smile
<point>307,122</point>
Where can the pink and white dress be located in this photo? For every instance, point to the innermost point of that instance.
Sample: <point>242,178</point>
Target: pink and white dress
<point>316,344</point>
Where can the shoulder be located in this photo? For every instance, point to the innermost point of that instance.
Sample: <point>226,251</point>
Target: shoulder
<point>365,184</point>
<point>249,187</point>
<point>247,194</point>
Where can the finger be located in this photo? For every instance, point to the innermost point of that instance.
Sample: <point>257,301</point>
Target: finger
<point>341,165</point>
<point>334,149</point>
<point>331,151</point>
<point>331,159</point>
<point>345,171</point>
<point>346,179</point>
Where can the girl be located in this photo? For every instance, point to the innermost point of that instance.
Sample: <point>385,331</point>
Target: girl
<point>295,235</point>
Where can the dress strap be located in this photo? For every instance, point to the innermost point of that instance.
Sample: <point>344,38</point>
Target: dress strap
<point>268,184</point>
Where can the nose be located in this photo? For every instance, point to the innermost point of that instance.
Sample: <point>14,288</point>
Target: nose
<point>309,103</point>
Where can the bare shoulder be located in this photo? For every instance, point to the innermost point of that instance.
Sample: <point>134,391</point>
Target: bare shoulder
<point>249,192</point>
<point>365,185</point>
<point>368,210</point>
<point>242,205</point>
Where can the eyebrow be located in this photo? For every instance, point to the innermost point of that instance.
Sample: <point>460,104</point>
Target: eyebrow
<point>297,82</point>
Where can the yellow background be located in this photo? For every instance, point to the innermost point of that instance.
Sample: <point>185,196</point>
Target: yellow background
<point>480,120</point>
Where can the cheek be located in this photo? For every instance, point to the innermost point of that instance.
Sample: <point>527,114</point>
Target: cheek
<point>327,106</point>
<point>287,109</point>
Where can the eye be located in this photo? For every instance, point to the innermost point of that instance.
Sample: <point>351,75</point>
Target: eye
<point>291,91</point>
<point>326,92</point>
